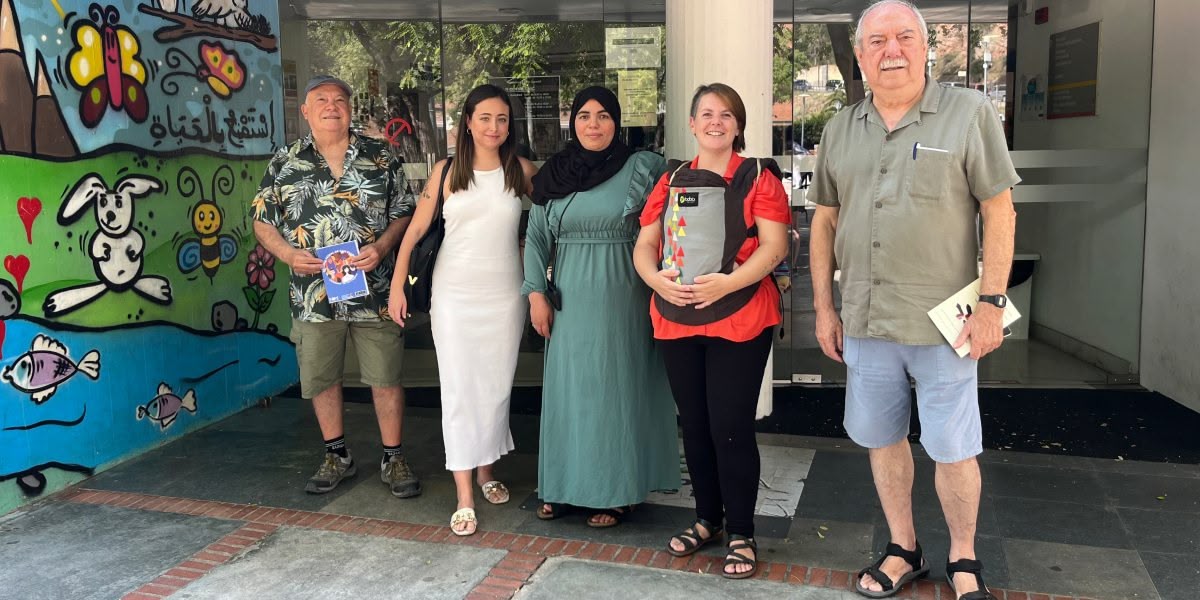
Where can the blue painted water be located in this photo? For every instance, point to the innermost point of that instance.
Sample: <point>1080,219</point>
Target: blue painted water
<point>88,423</point>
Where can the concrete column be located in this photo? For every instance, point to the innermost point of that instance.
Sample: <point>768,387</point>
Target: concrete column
<point>727,41</point>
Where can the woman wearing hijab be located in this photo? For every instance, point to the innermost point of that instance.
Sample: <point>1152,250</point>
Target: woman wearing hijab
<point>608,434</point>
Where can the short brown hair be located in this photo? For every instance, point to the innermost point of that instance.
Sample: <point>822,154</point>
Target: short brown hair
<point>731,99</point>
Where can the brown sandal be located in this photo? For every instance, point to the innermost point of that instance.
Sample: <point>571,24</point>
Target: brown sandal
<point>617,513</point>
<point>740,542</point>
<point>691,540</point>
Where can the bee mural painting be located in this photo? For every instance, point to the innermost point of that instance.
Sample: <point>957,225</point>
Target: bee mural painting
<point>210,248</point>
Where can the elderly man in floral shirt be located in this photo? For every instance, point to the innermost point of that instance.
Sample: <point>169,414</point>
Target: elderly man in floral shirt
<point>330,187</point>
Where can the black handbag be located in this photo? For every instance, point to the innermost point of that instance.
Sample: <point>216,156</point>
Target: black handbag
<point>418,288</point>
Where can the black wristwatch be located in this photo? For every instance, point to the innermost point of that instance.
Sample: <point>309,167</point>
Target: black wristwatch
<point>999,300</point>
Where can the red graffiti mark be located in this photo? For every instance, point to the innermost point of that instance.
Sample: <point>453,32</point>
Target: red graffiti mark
<point>29,209</point>
<point>396,128</point>
<point>17,266</point>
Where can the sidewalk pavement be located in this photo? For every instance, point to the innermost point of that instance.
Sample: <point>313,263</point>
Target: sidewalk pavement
<point>221,513</point>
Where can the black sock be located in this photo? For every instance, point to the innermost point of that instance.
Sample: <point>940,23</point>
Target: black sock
<point>390,451</point>
<point>338,446</point>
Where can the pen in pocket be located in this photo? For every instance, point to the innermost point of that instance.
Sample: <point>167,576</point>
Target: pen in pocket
<point>918,146</point>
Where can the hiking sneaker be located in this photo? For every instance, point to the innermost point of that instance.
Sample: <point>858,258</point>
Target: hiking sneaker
<point>331,472</point>
<point>400,477</point>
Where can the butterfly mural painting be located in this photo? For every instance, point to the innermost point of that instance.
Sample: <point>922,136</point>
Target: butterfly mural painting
<point>104,64</point>
<point>219,67</point>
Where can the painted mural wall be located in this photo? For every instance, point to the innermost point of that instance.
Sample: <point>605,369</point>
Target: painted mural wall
<point>135,304</point>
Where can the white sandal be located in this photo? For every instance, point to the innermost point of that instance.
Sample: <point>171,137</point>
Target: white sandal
<point>464,515</point>
<point>495,487</point>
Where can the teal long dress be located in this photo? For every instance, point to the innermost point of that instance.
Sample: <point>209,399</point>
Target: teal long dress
<point>608,431</point>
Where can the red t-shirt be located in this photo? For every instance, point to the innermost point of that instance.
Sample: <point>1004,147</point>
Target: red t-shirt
<point>767,199</point>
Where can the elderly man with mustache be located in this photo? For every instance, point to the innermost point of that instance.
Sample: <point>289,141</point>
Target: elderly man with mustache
<point>900,179</point>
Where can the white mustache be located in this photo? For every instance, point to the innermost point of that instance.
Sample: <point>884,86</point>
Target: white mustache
<point>892,63</point>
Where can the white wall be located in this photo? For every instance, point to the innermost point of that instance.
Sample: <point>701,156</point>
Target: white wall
<point>1088,285</point>
<point>1171,320</point>
<point>702,48</point>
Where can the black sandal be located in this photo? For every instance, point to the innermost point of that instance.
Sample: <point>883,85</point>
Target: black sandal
<point>974,567</point>
<point>740,542</point>
<point>618,515</point>
<point>557,509</point>
<point>890,588</point>
<point>691,540</point>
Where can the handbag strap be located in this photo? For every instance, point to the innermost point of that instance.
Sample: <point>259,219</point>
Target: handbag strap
<point>554,235</point>
<point>441,194</point>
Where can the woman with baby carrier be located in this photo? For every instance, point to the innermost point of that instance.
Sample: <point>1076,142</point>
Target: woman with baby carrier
<point>713,230</point>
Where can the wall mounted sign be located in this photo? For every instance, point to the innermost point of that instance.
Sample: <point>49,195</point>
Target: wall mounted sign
<point>1074,60</point>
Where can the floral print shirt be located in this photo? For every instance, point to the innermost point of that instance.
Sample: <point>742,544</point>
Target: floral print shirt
<point>300,197</point>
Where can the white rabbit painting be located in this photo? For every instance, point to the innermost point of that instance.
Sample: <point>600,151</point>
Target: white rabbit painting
<point>116,248</point>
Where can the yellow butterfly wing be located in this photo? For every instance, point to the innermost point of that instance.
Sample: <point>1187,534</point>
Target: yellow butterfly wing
<point>130,46</point>
<point>86,61</point>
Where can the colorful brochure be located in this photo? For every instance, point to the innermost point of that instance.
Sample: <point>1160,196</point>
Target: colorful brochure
<point>951,315</point>
<point>343,280</point>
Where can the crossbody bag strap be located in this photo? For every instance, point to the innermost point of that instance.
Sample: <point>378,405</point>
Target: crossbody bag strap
<point>554,235</point>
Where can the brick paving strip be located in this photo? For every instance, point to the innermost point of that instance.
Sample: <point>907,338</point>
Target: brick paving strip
<point>526,553</point>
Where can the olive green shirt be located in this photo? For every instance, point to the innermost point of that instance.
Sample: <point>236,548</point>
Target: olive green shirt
<point>908,201</point>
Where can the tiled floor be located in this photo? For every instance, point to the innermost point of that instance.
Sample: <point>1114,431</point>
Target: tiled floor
<point>1069,526</point>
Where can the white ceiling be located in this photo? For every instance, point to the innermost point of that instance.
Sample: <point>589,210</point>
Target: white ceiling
<point>620,11</point>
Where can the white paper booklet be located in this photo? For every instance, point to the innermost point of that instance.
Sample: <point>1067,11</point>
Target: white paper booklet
<point>951,315</point>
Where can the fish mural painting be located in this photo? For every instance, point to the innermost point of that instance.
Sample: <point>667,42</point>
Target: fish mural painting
<point>132,137</point>
<point>46,366</point>
<point>164,407</point>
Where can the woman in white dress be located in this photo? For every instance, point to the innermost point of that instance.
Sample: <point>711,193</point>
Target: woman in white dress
<point>477,313</point>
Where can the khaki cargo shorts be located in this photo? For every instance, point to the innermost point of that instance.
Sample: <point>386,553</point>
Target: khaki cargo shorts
<point>321,352</point>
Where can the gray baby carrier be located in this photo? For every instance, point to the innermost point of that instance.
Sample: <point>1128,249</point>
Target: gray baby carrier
<point>703,227</point>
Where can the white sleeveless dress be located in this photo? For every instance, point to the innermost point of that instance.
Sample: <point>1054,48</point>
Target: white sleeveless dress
<point>477,316</point>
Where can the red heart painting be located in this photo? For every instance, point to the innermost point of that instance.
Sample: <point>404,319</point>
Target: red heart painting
<point>29,209</point>
<point>17,266</point>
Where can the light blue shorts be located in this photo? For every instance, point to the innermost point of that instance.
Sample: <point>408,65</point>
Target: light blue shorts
<point>878,400</point>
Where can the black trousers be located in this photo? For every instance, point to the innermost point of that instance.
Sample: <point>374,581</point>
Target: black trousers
<point>715,383</point>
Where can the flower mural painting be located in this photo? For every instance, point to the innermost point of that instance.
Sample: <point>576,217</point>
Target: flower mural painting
<point>260,274</point>
<point>104,65</point>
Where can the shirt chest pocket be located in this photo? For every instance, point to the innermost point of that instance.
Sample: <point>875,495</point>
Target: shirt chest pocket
<point>929,175</point>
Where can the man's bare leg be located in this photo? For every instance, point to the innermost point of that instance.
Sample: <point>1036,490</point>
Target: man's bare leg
<point>892,469</point>
<point>959,486</point>
<point>389,410</point>
<point>328,407</point>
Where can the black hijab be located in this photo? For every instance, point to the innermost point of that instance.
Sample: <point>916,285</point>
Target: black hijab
<point>575,168</point>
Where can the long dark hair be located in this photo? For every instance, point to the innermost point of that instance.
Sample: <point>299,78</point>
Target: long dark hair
<point>462,170</point>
